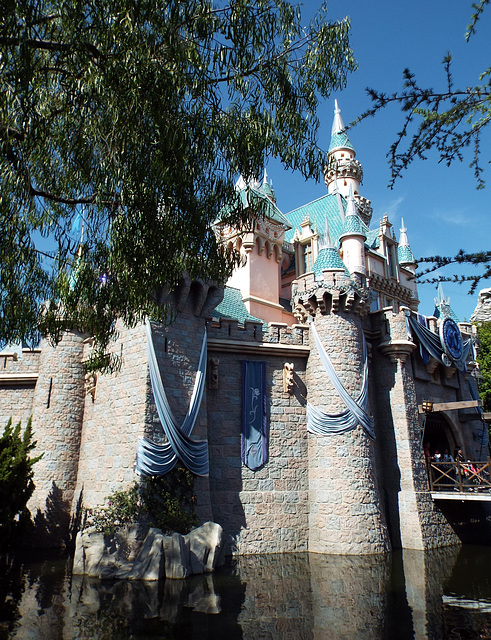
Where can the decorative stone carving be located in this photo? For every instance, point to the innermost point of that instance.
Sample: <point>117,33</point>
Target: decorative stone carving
<point>213,373</point>
<point>288,380</point>
<point>91,384</point>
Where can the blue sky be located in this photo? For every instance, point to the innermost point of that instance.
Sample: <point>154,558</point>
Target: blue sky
<point>442,209</point>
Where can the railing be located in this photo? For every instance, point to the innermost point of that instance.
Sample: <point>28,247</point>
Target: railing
<point>460,476</point>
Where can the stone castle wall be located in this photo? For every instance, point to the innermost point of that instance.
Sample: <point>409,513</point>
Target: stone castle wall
<point>324,494</point>
<point>264,510</point>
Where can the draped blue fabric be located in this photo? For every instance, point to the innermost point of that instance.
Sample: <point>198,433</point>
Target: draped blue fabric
<point>424,354</point>
<point>254,433</point>
<point>322,423</point>
<point>157,459</point>
<point>432,343</point>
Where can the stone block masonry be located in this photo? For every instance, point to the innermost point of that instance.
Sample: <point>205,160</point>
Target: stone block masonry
<point>334,494</point>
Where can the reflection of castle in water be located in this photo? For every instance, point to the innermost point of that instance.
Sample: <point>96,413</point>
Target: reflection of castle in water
<point>404,595</point>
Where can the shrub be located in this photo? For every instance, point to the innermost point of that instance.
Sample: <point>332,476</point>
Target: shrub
<point>16,483</point>
<point>166,502</point>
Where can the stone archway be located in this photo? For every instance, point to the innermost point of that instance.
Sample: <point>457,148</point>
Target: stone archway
<point>439,433</point>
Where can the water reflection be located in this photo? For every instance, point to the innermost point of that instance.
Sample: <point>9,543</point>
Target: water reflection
<point>442,594</point>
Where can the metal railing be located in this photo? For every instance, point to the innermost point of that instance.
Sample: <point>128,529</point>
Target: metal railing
<point>460,476</point>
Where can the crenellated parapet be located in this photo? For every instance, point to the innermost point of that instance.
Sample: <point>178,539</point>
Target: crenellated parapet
<point>193,296</point>
<point>340,168</point>
<point>337,291</point>
<point>227,335</point>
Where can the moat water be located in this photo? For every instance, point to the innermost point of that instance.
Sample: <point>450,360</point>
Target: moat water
<point>443,594</point>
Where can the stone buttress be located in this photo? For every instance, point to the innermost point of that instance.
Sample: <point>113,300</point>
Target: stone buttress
<point>345,512</point>
<point>414,520</point>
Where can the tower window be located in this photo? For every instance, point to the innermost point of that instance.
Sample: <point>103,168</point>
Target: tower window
<point>307,257</point>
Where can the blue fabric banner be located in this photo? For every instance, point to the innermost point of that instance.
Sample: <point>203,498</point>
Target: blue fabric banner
<point>254,435</point>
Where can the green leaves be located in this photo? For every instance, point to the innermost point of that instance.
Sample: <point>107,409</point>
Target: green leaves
<point>140,116</point>
<point>484,360</point>
<point>16,473</point>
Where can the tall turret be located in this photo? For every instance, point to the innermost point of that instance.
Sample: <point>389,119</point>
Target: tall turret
<point>342,170</point>
<point>352,240</point>
<point>261,248</point>
<point>345,513</point>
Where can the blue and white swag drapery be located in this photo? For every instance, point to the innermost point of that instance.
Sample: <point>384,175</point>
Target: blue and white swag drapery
<point>157,459</point>
<point>433,345</point>
<point>254,432</point>
<point>324,424</point>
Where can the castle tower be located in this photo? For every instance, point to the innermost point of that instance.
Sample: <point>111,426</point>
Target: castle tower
<point>261,246</point>
<point>342,170</point>
<point>58,409</point>
<point>345,514</point>
<point>353,241</point>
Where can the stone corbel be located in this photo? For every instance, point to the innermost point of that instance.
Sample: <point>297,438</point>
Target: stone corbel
<point>432,365</point>
<point>397,350</point>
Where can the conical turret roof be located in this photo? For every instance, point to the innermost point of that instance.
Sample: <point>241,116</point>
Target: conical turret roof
<point>328,258</point>
<point>353,226</point>
<point>404,253</point>
<point>339,137</point>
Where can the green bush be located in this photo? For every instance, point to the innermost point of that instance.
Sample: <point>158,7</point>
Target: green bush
<point>166,502</point>
<point>16,483</point>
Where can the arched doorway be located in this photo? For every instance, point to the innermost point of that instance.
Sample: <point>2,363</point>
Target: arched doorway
<point>438,434</point>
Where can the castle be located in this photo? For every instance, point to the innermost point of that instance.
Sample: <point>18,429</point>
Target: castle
<point>317,363</point>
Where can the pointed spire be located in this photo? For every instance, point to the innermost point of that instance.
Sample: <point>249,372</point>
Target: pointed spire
<point>442,305</point>
<point>353,225</point>
<point>325,241</point>
<point>267,187</point>
<point>339,138</point>
<point>337,124</point>
<point>404,253</point>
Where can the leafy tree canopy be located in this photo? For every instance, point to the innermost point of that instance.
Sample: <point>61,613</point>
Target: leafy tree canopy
<point>130,120</point>
<point>450,121</point>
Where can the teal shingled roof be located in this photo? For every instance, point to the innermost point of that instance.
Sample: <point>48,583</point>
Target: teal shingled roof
<point>449,312</point>
<point>321,209</point>
<point>340,141</point>
<point>251,197</point>
<point>233,307</point>
<point>373,240</point>
<point>405,255</point>
<point>317,212</point>
<point>353,226</point>
<point>328,258</point>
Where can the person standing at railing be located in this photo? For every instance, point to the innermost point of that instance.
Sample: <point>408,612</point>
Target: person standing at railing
<point>447,457</point>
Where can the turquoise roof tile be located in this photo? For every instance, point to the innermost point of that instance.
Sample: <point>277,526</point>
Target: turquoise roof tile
<point>328,258</point>
<point>405,255</point>
<point>449,313</point>
<point>317,211</point>
<point>340,141</point>
<point>250,197</point>
<point>373,241</point>
<point>233,307</point>
<point>353,225</point>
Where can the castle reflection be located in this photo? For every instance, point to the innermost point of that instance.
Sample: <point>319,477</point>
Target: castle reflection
<point>444,593</point>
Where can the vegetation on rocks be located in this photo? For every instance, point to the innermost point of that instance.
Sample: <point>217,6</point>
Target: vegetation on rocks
<point>166,502</point>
